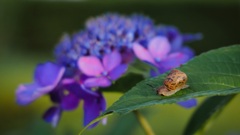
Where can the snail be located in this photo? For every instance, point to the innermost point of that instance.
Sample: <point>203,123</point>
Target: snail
<point>175,81</point>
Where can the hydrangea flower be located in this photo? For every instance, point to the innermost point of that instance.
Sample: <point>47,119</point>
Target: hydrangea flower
<point>98,55</point>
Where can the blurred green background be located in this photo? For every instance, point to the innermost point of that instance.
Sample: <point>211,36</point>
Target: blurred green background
<point>29,31</point>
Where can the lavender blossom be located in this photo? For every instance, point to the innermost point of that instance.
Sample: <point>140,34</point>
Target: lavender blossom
<point>102,73</point>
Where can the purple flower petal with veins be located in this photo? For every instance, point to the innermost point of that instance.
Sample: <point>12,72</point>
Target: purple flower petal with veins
<point>188,51</point>
<point>111,60</point>
<point>159,47</point>
<point>96,82</point>
<point>48,74</point>
<point>176,43</point>
<point>29,92</point>
<point>174,60</point>
<point>188,103</point>
<point>90,65</point>
<point>118,72</point>
<point>142,53</point>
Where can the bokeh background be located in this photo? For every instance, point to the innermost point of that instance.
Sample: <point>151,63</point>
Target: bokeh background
<point>29,31</point>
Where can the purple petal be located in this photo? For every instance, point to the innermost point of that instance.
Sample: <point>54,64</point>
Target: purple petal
<point>188,51</point>
<point>153,73</point>
<point>80,91</point>
<point>159,47</point>
<point>111,60</point>
<point>163,69</point>
<point>29,92</point>
<point>90,65</point>
<point>102,102</point>
<point>92,109</point>
<point>103,105</point>
<point>174,60</point>
<point>68,81</point>
<point>192,37</point>
<point>188,103</point>
<point>48,74</point>
<point>53,115</point>
<point>176,43</point>
<point>142,53</point>
<point>97,82</point>
<point>87,93</point>
<point>69,101</point>
<point>118,71</point>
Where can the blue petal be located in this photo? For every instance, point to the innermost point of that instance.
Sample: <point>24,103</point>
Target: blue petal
<point>154,73</point>
<point>118,71</point>
<point>192,37</point>
<point>92,109</point>
<point>112,60</point>
<point>48,74</point>
<point>97,82</point>
<point>172,61</point>
<point>52,115</point>
<point>81,91</point>
<point>29,92</point>
<point>188,103</point>
<point>69,101</point>
<point>187,51</point>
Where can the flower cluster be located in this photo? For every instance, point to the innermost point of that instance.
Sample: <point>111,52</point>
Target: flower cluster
<point>100,54</point>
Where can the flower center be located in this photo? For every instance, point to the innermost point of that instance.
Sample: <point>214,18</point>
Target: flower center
<point>157,59</point>
<point>104,73</point>
<point>65,92</point>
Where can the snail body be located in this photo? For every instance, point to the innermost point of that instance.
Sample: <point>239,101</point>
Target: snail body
<point>175,81</point>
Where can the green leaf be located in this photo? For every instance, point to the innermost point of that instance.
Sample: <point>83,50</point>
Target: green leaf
<point>213,73</point>
<point>139,67</point>
<point>204,112</point>
<point>124,83</point>
<point>124,125</point>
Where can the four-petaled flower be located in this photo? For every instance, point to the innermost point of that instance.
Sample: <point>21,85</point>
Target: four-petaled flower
<point>101,73</point>
<point>159,54</point>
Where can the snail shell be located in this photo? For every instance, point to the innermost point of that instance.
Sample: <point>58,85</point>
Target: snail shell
<point>175,81</point>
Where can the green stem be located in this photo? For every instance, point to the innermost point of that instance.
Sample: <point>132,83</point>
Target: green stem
<point>144,124</point>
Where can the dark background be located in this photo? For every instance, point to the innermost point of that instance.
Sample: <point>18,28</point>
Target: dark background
<point>29,30</point>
